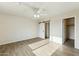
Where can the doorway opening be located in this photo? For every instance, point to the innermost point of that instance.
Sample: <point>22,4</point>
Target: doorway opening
<point>47,30</point>
<point>69,26</point>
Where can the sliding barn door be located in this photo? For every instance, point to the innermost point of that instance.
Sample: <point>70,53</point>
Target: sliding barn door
<point>42,30</point>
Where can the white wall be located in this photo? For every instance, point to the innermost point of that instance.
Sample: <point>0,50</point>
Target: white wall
<point>15,28</point>
<point>56,30</point>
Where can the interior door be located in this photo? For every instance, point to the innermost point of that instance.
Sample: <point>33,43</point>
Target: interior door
<point>42,30</point>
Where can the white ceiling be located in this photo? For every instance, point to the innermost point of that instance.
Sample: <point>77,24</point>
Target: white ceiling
<point>25,10</point>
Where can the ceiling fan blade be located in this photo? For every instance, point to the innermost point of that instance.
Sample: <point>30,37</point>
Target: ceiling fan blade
<point>44,14</point>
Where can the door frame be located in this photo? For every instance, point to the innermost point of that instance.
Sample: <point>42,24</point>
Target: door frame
<point>63,30</point>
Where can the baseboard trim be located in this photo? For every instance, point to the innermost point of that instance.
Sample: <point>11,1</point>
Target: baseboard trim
<point>17,41</point>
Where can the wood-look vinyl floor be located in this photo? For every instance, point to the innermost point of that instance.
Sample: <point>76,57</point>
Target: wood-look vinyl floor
<point>67,49</point>
<point>21,48</point>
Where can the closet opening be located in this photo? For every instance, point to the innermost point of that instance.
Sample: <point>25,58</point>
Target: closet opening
<point>69,26</point>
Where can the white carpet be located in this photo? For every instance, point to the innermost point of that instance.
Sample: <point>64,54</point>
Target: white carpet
<point>38,44</point>
<point>46,50</point>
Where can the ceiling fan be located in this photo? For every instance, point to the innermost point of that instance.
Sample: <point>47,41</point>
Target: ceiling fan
<point>38,12</point>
